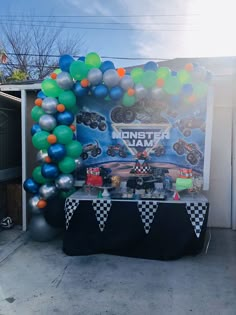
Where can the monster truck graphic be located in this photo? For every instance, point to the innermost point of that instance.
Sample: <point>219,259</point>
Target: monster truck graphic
<point>186,125</point>
<point>193,153</point>
<point>117,149</point>
<point>159,150</point>
<point>91,148</point>
<point>92,120</point>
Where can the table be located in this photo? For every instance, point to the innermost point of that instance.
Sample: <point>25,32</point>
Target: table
<point>148,229</point>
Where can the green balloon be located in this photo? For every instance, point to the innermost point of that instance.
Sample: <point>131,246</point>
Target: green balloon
<point>36,113</point>
<point>184,76</point>
<point>136,74</point>
<point>50,88</point>
<point>128,100</point>
<point>68,99</point>
<point>40,141</point>
<point>172,85</point>
<point>78,70</point>
<point>74,149</point>
<point>163,72</point>
<point>149,79</point>
<point>93,59</point>
<point>200,89</point>
<point>38,177</point>
<point>57,71</point>
<point>63,133</point>
<point>66,194</point>
<point>67,165</point>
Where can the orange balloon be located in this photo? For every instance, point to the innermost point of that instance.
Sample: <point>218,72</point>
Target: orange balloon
<point>191,99</point>
<point>48,159</point>
<point>84,83</point>
<point>52,139</point>
<point>160,82</point>
<point>130,92</point>
<point>188,67</point>
<point>41,203</point>
<point>53,75</point>
<point>38,102</point>
<point>61,108</point>
<point>121,72</point>
<point>72,127</point>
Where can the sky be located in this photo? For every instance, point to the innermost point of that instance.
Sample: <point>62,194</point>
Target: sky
<point>139,29</point>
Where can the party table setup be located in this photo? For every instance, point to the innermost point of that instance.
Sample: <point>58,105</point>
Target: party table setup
<point>128,153</point>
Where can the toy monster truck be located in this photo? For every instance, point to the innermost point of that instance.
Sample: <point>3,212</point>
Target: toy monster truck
<point>186,125</point>
<point>159,150</point>
<point>117,149</point>
<point>193,154</point>
<point>92,120</point>
<point>91,148</point>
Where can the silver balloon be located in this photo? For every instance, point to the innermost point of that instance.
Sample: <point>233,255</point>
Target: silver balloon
<point>64,80</point>
<point>111,78</point>
<point>64,182</point>
<point>78,163</point>
<point>40,230</point>
<point>126,82</point>
<point>47,191</point>
<point>49,105</point>
<point>41,155</point>
<point>95,76</point>
<point>157,93</point>
<point>140,91</point>
<point>33,205</point>
<point>47,122</point>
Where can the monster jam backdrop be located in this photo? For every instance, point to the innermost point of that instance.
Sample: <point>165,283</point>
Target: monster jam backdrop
<point>89,113</point>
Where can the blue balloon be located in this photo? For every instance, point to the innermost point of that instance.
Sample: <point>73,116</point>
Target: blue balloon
<point>107,65</point>
<point>50,171</point>
<point>100,91</point>
<point>187,89</point>
<point>35,128</point>
<point>41,95</point>
<point>79,90</point>
<point>65,62</point>
<point>116,93</point>
<point>57,151</point>
<point>31,186</point>
<point>174,73</point>
<point>65,118</point>
<point>82,58</point>
<point>175,100</point>
<point>151,65</point>
<point>74,137</point>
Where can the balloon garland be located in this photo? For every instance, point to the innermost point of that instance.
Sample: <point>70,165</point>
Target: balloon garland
<point>56,106</point>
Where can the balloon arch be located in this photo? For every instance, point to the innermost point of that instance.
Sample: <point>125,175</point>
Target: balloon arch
<point>58,102</point>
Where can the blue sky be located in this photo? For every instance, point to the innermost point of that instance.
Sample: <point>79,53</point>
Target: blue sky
<point>193,28</point>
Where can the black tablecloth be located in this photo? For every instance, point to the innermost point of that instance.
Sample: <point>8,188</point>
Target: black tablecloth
<point>170,235</point>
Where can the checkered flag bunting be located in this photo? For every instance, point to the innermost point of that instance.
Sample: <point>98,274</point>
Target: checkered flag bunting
<point>196,212</point>
<point>147,211</point>
<point>101,208</point>
<point>70,207</point>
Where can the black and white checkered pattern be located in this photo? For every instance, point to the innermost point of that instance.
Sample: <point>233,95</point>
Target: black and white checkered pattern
<point>196,212</point>
<point>70,207</point>
<point>139,169</point>
<point>147,211</point>
<point>101,208</point>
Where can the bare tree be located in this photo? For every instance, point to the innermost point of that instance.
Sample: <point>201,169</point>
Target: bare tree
<point>33,49</point>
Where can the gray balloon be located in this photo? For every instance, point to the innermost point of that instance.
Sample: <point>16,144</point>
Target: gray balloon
<point>40,230</point>
<point>41,155</point>
<point>47,122</point>
<point>140,91</point>
<point>47,191</point>
<point>78,163</point>
<point>126,82</point>
<point>64,80</point>
<point>157,93</point>
<point>111,78</point>
<point>33,204</point>
<point>95,76</point>
<point>49,105</point>
<point>64,182</point>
